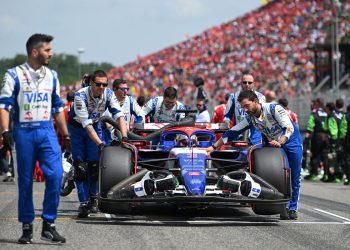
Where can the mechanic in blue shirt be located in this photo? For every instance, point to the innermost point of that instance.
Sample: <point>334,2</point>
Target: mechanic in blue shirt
<point>33,90</point>
<point>234,110</point>
<point>274,122</point>
<point>88,106</point>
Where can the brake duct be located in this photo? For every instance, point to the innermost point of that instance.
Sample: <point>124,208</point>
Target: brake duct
<point>243,183</point>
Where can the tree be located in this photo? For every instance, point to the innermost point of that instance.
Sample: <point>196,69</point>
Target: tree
<point>65,65</point>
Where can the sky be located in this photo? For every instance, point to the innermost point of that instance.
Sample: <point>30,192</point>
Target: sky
<point>113,31</point>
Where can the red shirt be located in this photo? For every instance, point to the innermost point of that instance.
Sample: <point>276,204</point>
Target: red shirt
<point>293,116</point>
<point>219,113</point>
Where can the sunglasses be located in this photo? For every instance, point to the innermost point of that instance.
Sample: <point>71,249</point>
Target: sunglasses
<point>99,84</point>
<point>247,82</point>
<point>124,89</point>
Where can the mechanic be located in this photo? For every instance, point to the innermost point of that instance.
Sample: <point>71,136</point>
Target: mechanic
<point>336,127</point>
<point>346,145</point>
<point>319,138</point>
<point>88,106</point>
<point>293,116</point>
<point>274,122</point>
<point>203,114</point>
<point>220,109</point>
<point>32,89</point>
<point>234,111</point>
<point>129,107</point>
<point>162,108</point>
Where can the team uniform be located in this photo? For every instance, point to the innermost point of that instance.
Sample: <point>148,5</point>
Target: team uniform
<point>159,113</point>
<point>86,110</point>
<point>319,141</point>
<point>234,110</point>
<point>130,109</point>
<point>34,96</point>
<point>275,122</point>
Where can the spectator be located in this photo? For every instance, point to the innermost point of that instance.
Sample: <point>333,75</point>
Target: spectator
<point>219,54</point>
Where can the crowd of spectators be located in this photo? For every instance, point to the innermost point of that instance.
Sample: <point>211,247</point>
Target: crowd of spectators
<point>272,42</point>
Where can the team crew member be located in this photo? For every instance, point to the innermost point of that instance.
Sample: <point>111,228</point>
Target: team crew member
<point>127,103</point>
<point>32,90</point>
<point>319,138</point>
<point>234,110</point>
<point>219,110</point>
<point>274,122</point>
<point>163,108</point>
<point>88,106</point>
<point>336,126</point>
<point>293,116</point>
<point>203,114</point>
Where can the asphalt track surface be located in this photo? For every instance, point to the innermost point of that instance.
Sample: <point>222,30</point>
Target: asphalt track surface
<point>323,223</point>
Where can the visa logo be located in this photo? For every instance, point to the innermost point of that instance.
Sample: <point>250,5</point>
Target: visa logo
<point>36,97</point>
<point>241,111</point>
<point>272,130</point>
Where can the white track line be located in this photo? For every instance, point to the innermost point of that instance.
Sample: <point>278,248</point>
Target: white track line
<point>335,215</point>
<point>201,222</point>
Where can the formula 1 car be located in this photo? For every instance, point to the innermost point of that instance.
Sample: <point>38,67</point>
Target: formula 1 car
<point>177,170</point>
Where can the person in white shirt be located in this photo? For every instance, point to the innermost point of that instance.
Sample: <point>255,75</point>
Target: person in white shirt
<point>203,114</point>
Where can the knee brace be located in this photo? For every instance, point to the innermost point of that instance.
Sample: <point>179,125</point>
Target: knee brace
<point>93,170</point>
<point>80,169</point>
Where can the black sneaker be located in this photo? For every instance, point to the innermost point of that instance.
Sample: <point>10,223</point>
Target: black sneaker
<point>93,205</point>
<point>83,211</point>
<point>285,214</point>
<point>27,234</point>
<point>293,215</point>
<point>50,234</point>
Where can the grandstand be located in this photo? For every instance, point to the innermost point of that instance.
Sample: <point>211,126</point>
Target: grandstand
<point>277,42</point>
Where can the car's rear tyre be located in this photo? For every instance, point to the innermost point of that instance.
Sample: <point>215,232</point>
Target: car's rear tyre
<point>115,165</point>
<point>270,165</point>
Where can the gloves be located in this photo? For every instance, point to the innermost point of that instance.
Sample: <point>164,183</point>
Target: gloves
<point>125,139</point>
<point>67,147</point>
<point>101,146</point>
<point>6,136</point>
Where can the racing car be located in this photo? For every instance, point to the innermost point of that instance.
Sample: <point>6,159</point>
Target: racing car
<point>177,170</point>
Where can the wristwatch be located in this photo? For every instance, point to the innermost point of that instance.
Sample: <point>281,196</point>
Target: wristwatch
<point>214,147</point>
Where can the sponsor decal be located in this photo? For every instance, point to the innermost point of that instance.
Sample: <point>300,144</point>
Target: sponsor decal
<point>36,97</point>
<point>26,107</point>
<point>194,173</point>
<point>138,189</point>
<point>39,106</point>
<point>46,115</point>
<point>196,181</point>
<point>28,116</point>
